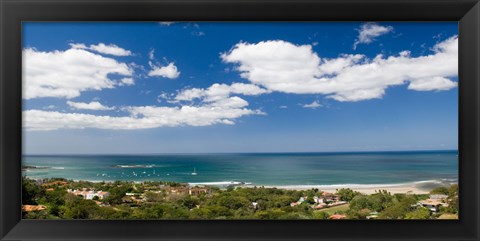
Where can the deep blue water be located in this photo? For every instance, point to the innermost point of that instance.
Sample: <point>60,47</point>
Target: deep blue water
<point>259,169</point>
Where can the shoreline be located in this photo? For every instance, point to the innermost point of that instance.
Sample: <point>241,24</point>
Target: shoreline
<point>371,189</point>
<point>418,187</point>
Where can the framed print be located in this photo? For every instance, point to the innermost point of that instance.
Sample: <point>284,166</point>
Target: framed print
<point>142,120</point>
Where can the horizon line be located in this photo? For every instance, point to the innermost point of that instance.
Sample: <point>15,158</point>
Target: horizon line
<point>206,153</point>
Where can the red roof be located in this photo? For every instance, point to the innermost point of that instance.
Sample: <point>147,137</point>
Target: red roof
<point>337,216</point>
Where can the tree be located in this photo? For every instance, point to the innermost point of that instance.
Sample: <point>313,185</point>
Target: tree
<point>270,214</point>
<point>189,202</point>
<point>117,193</point>
<point>360,202</point>
<point>232,202</point>
<point>453,199</point>
<point>78,208</point>
<point>398,208</point>
<point>31,191</point>
<point>358,214</point>
<point>154,197</point>
<point>347,194</point>
<point>55,200</point>
<point>320,215</point>
<point>440,190</point>
<point>310,200</point>
<point>419,213</point>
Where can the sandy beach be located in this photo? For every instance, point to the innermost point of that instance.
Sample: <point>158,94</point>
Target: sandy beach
<point>423,187</point>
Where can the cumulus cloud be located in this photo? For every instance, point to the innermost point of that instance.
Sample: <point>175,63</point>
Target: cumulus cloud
<point>94,105</point>
<point>369,31</point>
<point>65,74</point>
<point>170,71</point>
<point>219,91</point>
<point>126,81</point>
<point>313,105</point>
<point>142,117</point>
<point>285,67</point>
<point>102,48</point>
<point>433,83</point>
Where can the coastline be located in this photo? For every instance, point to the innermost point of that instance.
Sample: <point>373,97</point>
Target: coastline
<point>401,188</point>
<point>418,187</point>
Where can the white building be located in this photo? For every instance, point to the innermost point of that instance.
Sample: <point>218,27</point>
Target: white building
<point>89,194</point>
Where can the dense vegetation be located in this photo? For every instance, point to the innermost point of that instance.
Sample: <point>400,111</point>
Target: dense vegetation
<point>231,203</point>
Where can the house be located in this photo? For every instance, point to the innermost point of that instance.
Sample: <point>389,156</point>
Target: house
<point>337,216</point>
<point>294,204</point>
<point>177,190</point>
<point>89,194</point>
<point>132,194</point>
<point>432,204</point>
<point>255,205</point>
<point>337,203</point>
<point>33,208</point>
<point>373,215</point>
<point>329,197</point>
<point>99,194</point>
<point>324,205</point>
<point>198,190</point>
<point>300,201</point>
<point>320,206</point>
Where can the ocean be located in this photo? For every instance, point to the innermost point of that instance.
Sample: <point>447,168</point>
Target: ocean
<point>268,169</point>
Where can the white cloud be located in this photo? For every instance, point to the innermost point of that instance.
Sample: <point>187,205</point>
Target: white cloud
<point>49,107</point>
<point>166,23</point>
<point>232,102</point>
<point>198,33</point>
<point>78,46</point>
<point>102,48</point>
<point>170,71</point>
<point>219,91</point>
<point>369,31</point>
<point>151,54</point>
<point>285,67</point>
<point>337,65</point>
<point>142,117</point>
<point>65,74</point>
<point>126,81</point>
<point>94,105</point>
<point>313,105</point>
<point>433,83</point>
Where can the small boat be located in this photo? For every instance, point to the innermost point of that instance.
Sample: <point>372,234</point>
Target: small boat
<point>194,173</point>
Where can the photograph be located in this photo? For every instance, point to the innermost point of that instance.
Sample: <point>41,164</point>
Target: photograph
<point>240,120</point>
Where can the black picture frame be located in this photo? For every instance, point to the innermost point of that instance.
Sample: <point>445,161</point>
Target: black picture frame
<point>13,12</point>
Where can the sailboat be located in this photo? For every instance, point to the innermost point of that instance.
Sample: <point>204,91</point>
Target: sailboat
<point>194,173</point>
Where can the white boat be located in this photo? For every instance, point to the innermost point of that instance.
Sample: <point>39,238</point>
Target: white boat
<point>194,173</point>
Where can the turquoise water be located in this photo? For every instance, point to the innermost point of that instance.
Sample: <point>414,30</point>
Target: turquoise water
<point>258,169</point>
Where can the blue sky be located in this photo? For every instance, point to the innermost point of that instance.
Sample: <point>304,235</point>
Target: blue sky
<point>93,88</point>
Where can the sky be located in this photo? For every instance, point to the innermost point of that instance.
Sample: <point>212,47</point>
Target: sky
<point>217,87</point>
